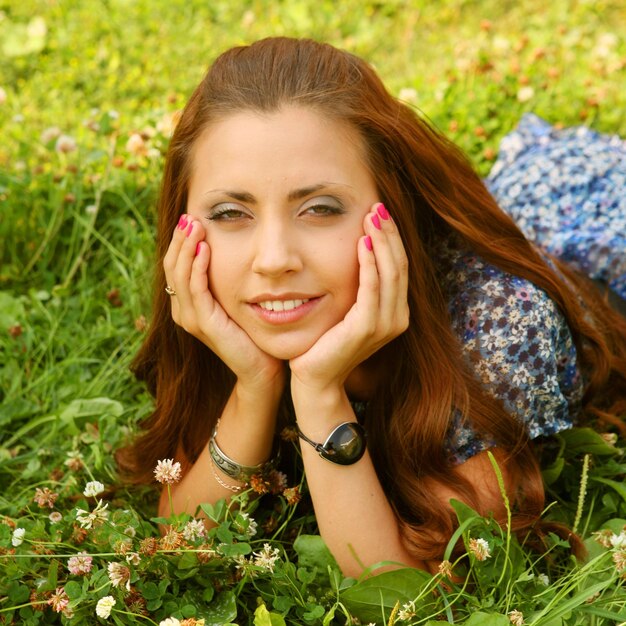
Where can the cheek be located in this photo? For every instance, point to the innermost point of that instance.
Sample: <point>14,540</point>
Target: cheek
<point>224,274</point>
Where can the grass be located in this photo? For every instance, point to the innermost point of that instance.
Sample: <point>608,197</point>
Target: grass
<point>76,236</point>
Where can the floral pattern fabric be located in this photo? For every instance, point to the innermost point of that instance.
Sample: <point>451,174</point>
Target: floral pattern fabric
<point>566,189</point>
<point>518,344</point>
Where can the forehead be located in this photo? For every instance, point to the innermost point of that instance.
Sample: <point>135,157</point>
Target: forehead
<point>289,141</point>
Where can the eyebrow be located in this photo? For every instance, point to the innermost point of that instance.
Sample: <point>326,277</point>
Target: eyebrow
<point>296,194</point>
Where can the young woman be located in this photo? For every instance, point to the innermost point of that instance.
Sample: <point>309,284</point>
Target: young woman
<point>329,260</point>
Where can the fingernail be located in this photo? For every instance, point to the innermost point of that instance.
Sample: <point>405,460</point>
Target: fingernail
<point>198,247</point>
<point>189,229</point>
<point>376,221</point>
<point>368,243</point>
<point>182,222</point>
<point>382,211</point>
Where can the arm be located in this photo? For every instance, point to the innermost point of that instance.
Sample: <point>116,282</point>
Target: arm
<point>247,423</point>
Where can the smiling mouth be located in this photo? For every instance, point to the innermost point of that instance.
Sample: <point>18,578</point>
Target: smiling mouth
<point>282,305</point>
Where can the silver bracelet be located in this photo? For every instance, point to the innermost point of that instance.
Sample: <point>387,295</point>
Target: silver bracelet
<point>232,469</point>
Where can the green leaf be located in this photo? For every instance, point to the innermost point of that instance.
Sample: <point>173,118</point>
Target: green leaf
<point>262,617</point>
<point>369,598</point>
<point>17,592</point>
<point>618,486</point>
<point>188,560</point>
<point>580,441</point>
<point>487,619</point>
<point>314,614</point>
<point>222,610</point>
<point>313,553</point>
<point>148,590</point>
<point>235,549</point>
<point>73,590</point>
<point>552,472</point>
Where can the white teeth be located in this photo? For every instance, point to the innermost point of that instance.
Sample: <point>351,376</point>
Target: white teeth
<point>281,305</point>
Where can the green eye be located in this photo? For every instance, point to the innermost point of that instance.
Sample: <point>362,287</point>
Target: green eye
<point>324,209</point>
<point>226,213</point>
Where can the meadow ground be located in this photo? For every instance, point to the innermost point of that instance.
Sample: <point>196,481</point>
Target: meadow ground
<point>89,93</point>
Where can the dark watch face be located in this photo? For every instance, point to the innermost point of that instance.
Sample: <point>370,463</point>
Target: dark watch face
<point>345,445</point>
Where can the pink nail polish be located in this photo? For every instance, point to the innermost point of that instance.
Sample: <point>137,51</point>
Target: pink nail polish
<point>382,211</point>
<point>182,223</point>
<point>189,229</point>
<point>376,221</point>
<point>198,248</point>
<point>368,243</point>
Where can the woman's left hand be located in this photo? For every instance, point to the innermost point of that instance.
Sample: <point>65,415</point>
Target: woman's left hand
<point>380,312</point>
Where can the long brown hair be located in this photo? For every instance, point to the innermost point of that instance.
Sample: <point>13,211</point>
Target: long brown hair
<point>433,192</point>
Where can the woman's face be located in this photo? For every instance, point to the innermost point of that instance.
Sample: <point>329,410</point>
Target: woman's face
<point>282,198</point>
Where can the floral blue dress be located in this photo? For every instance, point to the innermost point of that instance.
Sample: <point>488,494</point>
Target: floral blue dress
<point>566,189</point>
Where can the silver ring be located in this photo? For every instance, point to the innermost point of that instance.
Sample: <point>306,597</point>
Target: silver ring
<point>169,291</point>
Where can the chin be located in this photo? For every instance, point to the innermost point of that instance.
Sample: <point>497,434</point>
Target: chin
<point>285,350</point>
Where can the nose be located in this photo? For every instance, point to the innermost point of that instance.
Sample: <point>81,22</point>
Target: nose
<point>276,250</point>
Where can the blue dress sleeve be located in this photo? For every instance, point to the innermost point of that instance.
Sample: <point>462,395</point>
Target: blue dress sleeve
<point>518,344</point>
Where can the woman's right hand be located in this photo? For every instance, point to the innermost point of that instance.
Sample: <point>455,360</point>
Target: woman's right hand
<point>195,309</point>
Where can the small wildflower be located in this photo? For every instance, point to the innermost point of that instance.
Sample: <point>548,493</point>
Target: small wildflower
<point>133,558</point>
<point>618,541</point>
<point>259,484</point>
<point>292,495</point>
<point>406,612</point>
<point>245,524</point>
<point>104,606</point>
<point>171,540</point>
<point>192,621</point>
<point>3,95</point>
<point>148,546</point>
<point>205,553</point>
<point>610,438</point>
<point>445,569</point>
<point>55,517</point>
<point>129,531</point>
<point>619,558</point>
<point>119,574</point>
<point>525,93</point>
<point>603,537</point>
<point>194,529</point>
<point>136,145</point>
<point>136,603</point>
<point>141,323</point>
<point>408,94</point>
<point>267,557</point>
<point>543,580</point>
<point>170,621</point>
<point>93,488</point>
<point>18,537</point>
<point>278,481</point>
<point>59,600</point>
<point>15,331</point>
<point>480,549</point>
<point>516,617</point>
<point>91,209</point>
<point>80,564</point>
<point>68,612</point>
<point>88,520</point>
<point>289,433</point>
<point>44,497</point>
<point>65,144</point>
<point>50,134</point>
<point>168,472</point>
<point>74,461</point>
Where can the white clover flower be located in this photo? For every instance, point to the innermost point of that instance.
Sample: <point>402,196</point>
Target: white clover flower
<point>104,606</point>
<point>525,94</point>
<point>50,134</point>
<point>18,537</point>
<point>136,145</point>
<point>516,617</point>
<point>480,549</point>
<point>543,579</point>
<point>618,541</point>
<point>65,144</point>
<point>168,472</point>
<point>133,558</point>
<point>55,517</point>
<point>88,520</point>
<point>119,575</point>
<point>267,557</point>
<point>93,489</point>
<point>194,529</point>
<point>170,621</point>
